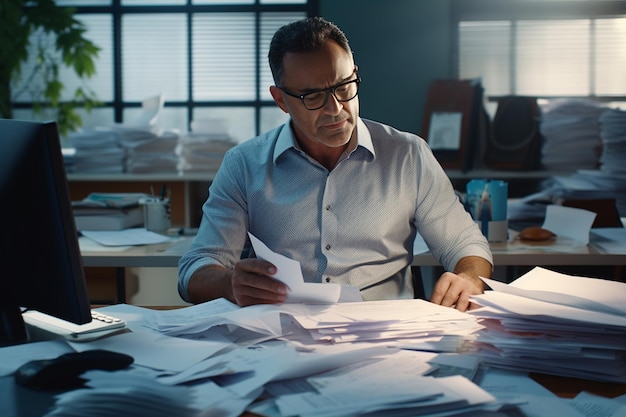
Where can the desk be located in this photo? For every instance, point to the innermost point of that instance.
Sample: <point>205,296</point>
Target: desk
<point>504,254</point>
<point>188,190</point>
<point>32,403</point>
<point>517,254</point>
<point>40,402</point>
<point>161,255</point>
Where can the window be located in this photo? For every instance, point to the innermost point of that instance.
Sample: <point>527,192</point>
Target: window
<point>207,58</point>
<point>544,49</point>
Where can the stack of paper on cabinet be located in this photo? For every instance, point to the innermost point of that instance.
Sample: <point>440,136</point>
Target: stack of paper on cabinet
<point>554,323</point>
<point>108,211</point>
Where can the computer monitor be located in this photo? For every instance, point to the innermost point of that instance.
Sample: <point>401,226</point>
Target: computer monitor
<point>41,267</point>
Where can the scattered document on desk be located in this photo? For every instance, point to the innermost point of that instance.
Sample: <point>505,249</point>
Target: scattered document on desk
<point>288,370</point>
<point>533,399</point>
<point>127,237</point>
<point>89,245</point>
<point>129,393</point>
<point>15,356</point>
<point>590,405</point>
<point>569,222</point>
<point>173,354</point>
<point>289,272</point>
<point>556,324</point>
<point>610,239</point>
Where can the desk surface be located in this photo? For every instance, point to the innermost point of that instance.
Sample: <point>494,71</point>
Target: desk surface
<point>505,254</point>
<point>157,255</point>
<point>29,403</point>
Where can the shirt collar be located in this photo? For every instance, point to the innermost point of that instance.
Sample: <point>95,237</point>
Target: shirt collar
<point>286,139</point>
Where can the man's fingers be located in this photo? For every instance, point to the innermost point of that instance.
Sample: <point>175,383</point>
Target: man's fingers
<point>252,283</point>
<point>452,291</point>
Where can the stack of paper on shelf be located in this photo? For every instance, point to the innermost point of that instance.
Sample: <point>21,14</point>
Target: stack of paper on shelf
<point>571,134</point>
<point>613,132</point>
<point>204,147</point>
<point>554,323</point>
<point>587,184</point>
<point>96,151</point>
<point>149,149</point>
<point>108,211</point>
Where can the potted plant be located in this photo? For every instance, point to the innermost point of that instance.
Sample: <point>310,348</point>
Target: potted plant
<point>60,41</point>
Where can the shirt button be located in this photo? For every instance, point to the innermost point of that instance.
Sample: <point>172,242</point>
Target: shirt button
<point>327,247</point>
<point>327,207</point>
<point>327,279</point>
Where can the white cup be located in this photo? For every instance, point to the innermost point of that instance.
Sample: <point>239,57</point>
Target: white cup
<point>156,213</point>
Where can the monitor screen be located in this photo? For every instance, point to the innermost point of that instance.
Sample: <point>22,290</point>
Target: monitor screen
<point>41,261</point>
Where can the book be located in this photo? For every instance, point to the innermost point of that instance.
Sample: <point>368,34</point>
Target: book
<point>109,211</point>
<point>114,219</point>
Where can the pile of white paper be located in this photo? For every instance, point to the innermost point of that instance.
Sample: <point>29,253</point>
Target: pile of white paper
<point>581,185</point>
<point>286,365</point>
<point>292,375</point>
<point>204,147</point>
<point>571,134</point>
<point>96,151</point>
<point>124,393</point>
<point>613,132</point>
<point>402,321</point>
<point>554,323</point>
<point>149,150</point>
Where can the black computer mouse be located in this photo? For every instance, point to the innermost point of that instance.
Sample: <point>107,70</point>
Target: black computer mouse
<point>64,372</point>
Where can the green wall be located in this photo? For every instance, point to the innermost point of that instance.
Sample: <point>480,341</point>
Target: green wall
<point>400,46</point>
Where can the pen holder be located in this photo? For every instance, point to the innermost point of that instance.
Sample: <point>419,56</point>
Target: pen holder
<point>486,201</point>
<point>156,213</point>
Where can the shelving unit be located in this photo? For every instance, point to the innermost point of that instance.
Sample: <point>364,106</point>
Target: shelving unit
<point>188,190</point>
<point>521,183</point>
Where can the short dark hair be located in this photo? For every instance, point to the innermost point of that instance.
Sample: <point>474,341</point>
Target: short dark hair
<point>302,36</point>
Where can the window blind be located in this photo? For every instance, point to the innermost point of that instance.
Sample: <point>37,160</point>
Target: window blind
<point>207,57</point>
<point>546,53</point>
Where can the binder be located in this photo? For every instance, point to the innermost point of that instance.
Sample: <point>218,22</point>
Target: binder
<point>451,124</point>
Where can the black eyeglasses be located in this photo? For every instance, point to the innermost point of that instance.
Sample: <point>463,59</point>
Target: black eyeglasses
<point>344,91</point>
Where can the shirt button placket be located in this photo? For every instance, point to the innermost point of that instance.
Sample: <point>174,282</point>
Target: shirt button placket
<point>329,225</point>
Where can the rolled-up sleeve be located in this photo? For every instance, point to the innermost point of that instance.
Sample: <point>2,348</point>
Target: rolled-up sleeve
<point>222,235</point>
<point>447,228</point>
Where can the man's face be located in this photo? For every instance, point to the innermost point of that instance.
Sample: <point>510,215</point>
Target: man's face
<point>333,124</point>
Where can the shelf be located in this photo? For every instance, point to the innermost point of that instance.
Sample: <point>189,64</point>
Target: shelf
<point>209,175</point>
<point>499,174</point>
<point>131,177</point>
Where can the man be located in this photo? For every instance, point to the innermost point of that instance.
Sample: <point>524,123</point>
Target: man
<point>343,196</point>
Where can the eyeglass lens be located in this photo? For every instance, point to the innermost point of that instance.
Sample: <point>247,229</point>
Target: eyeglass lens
<point>342,92</point>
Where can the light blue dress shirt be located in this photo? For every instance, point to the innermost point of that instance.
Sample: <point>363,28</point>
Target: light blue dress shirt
<point>354,225</point>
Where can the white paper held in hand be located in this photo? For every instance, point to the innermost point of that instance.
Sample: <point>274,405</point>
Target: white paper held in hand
<point>290,273</point>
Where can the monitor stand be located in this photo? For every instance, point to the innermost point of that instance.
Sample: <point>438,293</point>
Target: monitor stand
<point>12,327</point>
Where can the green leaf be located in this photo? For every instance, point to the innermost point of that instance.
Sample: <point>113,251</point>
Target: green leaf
<point>63,42</point>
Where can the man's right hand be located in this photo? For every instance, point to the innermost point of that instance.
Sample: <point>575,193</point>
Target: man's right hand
<point>252,283</point>
<point>249,282</point>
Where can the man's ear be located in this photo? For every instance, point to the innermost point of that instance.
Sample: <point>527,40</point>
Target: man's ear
<point>278,97</point>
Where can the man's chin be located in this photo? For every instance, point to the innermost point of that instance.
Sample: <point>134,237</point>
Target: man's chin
<point>336,137</point>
